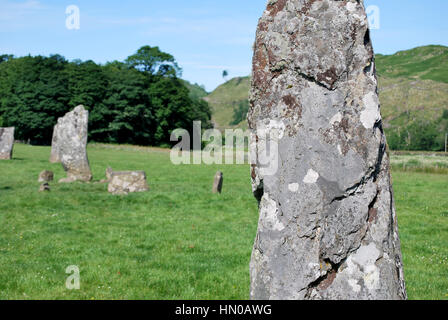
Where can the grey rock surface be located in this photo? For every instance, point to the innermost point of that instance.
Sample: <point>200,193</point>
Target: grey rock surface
<point>109,173</point>
<point>327,227</point>
<point>125,182</point>
<point>6,143</point>
<point>72,145</point>
<point>217,182</point>
<point>44,187</point>
<point>46,176</point>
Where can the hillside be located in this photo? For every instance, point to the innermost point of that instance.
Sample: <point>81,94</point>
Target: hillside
<point>226,98</point>
<point>413,86</point>
<point>423,63</point>
<point>196,91</point>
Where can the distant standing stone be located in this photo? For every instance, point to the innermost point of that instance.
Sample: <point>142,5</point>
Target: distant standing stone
<point>6,143</point>
<point>71,138</point>
<point>217,183</point>
<point>124,182</point>
<point>46,176</point>
<point>55,156</point>
<point>44,187</point>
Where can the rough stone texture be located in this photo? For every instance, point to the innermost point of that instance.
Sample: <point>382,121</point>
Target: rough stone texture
<point>327,226</point>
<point>109,173</point>
<point>55,156</point>
<point>44,187</point>
<point>6,143</point>
<point>124,182</point>
<point>46,176</point>
<point>217,182</point>
<point>72,144</point>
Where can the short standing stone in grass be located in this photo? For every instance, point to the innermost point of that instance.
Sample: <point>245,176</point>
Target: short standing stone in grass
<point>72,145</point>
<point>109,172</point>
<point>327,227</point>
<point>124,182</point>
<point>44,187</point>
<point>55,156</point>
<point>46,176</point>
<point>217,183</point>
<point>6,143</point>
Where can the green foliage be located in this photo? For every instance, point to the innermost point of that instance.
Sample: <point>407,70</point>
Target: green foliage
<point>445,114</point>
<point>137,102</point>
<point>6,57</point>
<point>411,105</point>
<point>34,93</point>
<point>225,98</point>
<point>153,61</point>
<point>240,112</point>
<point>428,62</point>
<point>419,136</point>
<point>197,92</point>
<point>174,108</point>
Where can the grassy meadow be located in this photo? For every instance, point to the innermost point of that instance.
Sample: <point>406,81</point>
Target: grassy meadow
<point>177,241</point>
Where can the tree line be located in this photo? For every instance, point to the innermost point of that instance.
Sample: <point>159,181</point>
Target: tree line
<point>422,135</point>
<point>137,101</point>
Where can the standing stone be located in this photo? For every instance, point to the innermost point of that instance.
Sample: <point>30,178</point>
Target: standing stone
<point>217,183</point>
<point>6,143</point>
<point>124,182</point>
<point>327,227</point>
<point>109,173</point>
<point>72,144</point>
<point>44,187</point>
<point>46,176</point>
<point>54,156</point>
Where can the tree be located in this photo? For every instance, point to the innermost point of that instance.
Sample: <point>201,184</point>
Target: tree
<point>173,108</point>
<point>34,93</point>
<point>137,102</point>
<point>126,115</point>
<point>6,57</point>
<point>225,74</point>
<point>153,61</point>
<point>86,83</point>
<point>240,112</point>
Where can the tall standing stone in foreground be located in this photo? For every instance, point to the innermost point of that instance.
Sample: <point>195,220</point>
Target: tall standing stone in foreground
<point>55,155</point>
<point>72,144</point>
<point>327,226</point>
<point>6,143</point>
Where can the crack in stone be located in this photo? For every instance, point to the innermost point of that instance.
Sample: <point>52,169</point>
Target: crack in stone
<point>323,282</point>
<point>314,80</point>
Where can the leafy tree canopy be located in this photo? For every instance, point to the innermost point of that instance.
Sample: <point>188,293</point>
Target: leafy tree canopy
<point>139,101</point>
<point>153,61</point>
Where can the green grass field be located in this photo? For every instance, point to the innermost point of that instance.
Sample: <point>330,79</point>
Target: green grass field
<point>177,241</point>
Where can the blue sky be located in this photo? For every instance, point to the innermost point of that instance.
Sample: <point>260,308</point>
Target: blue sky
<point>205,36</point>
